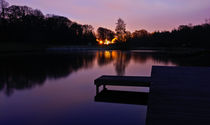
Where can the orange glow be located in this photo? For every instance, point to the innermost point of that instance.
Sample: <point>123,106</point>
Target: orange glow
<point>114,54</point>
<point>113,40</point>
<point>100,42</point>
<point>107,54</point>
<point>106,41</point>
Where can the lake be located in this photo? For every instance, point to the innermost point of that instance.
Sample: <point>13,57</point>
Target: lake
<point>58,88</point>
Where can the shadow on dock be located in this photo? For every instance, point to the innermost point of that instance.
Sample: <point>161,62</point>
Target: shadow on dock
<point>122,97</point>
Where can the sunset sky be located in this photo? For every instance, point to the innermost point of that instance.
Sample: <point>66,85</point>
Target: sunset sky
<point>151,15</point>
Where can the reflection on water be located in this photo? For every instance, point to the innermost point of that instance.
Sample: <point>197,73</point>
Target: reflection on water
<point>123,97</point>
<point>118,58</point>
<point>58,88</point>
<point>26,71</point>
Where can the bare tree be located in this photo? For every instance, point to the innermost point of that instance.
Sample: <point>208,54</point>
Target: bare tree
<point>121,30</point>
<point>3,4</point>
<point>121,26</point>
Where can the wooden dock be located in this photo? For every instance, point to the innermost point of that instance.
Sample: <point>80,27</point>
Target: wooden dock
<point>122,81</point>
<point>178,95</point>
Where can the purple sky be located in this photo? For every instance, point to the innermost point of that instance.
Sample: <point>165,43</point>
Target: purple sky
<point>151,15</point>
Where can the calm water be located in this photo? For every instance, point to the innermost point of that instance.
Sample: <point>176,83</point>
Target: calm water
<point>58,89</point>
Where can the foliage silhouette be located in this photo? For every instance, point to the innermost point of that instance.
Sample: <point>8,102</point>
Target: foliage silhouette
<point>184,36</point>
<point>104,33</point>
<point>22,24</point>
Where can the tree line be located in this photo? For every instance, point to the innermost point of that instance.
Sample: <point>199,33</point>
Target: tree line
<point>184,36</point>
<point>24,24</point>
<point>27,25</point>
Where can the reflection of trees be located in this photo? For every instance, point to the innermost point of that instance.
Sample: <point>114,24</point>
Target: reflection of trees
<point>104,57</point>
<point>24,72</point>
<point>180,59</point>
<point>29,71</point>
<point>156,57</point>
<point>121,62</point>
<point>189,59</point>
<point>140,57</point>
<point>121,59</point>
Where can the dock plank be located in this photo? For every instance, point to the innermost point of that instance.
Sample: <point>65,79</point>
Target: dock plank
<point>179,96</point>
<point>123,81</point>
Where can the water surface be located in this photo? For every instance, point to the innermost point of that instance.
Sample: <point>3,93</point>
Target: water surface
<point>58,88</point>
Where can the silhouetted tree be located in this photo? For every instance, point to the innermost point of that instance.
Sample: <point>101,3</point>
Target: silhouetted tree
<point>3,5</point>
<point>120,30</point>
<point>104,33</point>
<point>88,34</point>
<point>183,36</point>
<point>140,33</point>
<point>87,29</point>
<point>24,24</point>
<point>38,13</point>
<point>128,35</point>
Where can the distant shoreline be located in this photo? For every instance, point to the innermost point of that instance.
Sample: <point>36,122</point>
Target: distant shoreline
<point>38,49</point>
